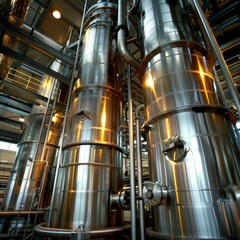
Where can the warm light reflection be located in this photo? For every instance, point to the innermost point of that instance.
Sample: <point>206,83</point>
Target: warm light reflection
<point>168,128</point>
<point>177,197</point>
<point>103,119</point>
<point>47,84</point>
<point>79,130</point>
<point>149,81</point>
<point>87,35</point>
<point>202,75</point>
<point>49,136</point>
<point>77,84</point>
<point>54,119</point>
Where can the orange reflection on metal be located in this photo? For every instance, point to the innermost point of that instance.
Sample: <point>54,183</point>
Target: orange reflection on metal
<point>103,119</point>
<point>202,75</point>
<point>49,136</point>
<point>175,179</point>
<point>77,84</point>
<point>79,129</point>
<point>48,84</point>
<point>54,119</point>
<point>168,128</point>
<point>149,83</point>
<point>87,36</point>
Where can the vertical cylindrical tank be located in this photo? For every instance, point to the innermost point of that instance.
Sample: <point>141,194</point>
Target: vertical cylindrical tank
<point>192,144</point>
<point>31,164</point>
<point>90,170</point>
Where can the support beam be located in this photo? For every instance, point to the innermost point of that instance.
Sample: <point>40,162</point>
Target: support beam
<point>15,55</point>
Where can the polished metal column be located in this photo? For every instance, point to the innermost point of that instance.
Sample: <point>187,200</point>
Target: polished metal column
<point>90,170</point>
<point>37,149</point>
<point>193,149</point>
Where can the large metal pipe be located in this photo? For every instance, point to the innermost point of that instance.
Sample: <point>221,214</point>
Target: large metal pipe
<point>121,38</point>
<point>90,169</point>
<point>193,149</point>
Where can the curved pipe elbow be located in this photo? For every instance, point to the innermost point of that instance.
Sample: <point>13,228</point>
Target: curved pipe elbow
<point>121,39</point>
<point>122,48</point>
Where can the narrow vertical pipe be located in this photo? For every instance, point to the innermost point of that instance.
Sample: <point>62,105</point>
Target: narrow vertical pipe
<point>139,168</point>
<point>132,161</point>
<point>67,109</point>
<point>219,55</point>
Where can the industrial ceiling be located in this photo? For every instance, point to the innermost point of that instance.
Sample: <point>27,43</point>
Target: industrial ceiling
<point>41,39</point>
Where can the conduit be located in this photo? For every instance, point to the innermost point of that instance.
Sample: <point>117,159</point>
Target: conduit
<point>121,37</point>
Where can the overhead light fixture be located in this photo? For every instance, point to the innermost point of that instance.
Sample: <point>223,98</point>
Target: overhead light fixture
<point>56,14</point>
<point>21,119</point>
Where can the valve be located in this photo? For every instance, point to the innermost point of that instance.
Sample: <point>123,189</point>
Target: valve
<point>121,199</point>
<point>155,194</point>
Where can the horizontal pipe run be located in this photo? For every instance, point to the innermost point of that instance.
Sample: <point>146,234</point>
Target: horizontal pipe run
<point>42,230</point>
<point>19,213</point>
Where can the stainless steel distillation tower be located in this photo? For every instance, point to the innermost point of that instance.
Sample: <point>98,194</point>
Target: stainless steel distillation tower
<point>90,172</point>
<point>194,158</point>
<point>33,166</point>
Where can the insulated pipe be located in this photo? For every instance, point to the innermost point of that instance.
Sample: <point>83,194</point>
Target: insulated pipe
<point>121,37</point>
<point>219,56</point>
<point>140,174</point>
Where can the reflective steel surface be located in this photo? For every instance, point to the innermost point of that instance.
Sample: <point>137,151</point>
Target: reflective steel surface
<point>91,164</point>
<point>182,101</point>
<point>32,169</point>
